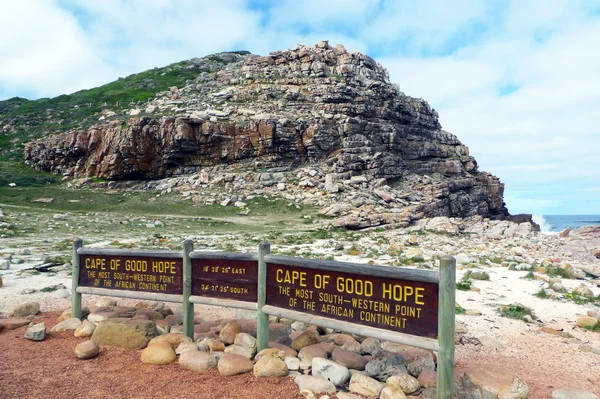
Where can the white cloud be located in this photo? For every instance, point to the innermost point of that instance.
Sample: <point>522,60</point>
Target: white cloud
<point>516,81</point>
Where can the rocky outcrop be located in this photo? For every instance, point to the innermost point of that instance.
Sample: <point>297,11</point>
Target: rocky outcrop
<point>306,105</point>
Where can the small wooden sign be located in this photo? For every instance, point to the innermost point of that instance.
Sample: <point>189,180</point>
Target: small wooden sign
<point>404,306</point>
<point>132,273</point>
<point>225,278</point>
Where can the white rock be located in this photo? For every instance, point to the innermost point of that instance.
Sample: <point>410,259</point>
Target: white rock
<point>292,362</point>
<point>330,370</point>
<point>314,384</point>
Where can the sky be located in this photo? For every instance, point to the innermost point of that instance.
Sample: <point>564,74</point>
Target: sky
<point>518,81</point>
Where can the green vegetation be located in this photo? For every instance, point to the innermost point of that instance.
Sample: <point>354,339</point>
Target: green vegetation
<point>529,276</point>
<point>557,271</point>
<point>541,293</point>
<point>460,310</point>
<point>463,285</point>
<point>476,275</point>
<point>23,175</point>
<point>515,311</point>
<point>595,328</point>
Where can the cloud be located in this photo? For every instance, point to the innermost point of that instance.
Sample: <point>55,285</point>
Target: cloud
<point>515,81</point>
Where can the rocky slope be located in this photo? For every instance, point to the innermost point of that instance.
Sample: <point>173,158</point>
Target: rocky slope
<point>321,106</point>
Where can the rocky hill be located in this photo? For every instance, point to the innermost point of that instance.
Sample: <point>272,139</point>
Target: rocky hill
<point>316,122</point>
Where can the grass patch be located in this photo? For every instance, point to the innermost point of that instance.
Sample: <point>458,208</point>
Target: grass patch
<point>529,276</point>
<point>541,294</point>
<point>476,275</point>
<point>555,271</point>
<point>463,286</point>
<point>460,310</point>
<point>515,311</point>
<point>595,328</point>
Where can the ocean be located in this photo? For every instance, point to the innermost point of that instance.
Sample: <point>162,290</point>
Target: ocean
<point>557,223</point>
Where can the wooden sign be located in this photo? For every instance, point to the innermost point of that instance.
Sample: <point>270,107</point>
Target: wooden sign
<point>132,273</point>
<point>389,303</point>
<point>225,278</point>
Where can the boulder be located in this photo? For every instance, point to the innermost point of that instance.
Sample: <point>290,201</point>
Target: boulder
<point>160,354</point>
<point>69,324</point>
<point>278,331</point>
<point>491,382</point>
<point>13,323</point>
<point>428,379</point>
<point>417,366</point>
<point>315,385</point>
<point>352,360</point>
<point>186,347</point>
<point>232,364</point>
<point>365,385</point>
<point>85,329</point>
<point>308,353</point>
<point>308,337</point>
<point>25,309</point>
<point>197,361</point>
<point>173,339</point>
<point>269,366</point>
<point>385,365</point>
<point>246,340</point>
<point>330,370</point>
<point>36,332</point>
<point>229,332</point>
<point>240,350</point>
<point>86,350</point>
<point>283,348</point>
<point>370,346</point>
<point>392,393</point>
<point>405,382</point>
<point>125,333</point>
<point>587,321</point>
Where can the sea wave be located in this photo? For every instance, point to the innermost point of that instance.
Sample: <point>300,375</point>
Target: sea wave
<point>544,225</point>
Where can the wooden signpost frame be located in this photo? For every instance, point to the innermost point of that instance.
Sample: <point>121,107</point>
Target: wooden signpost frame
<point>445,278</point>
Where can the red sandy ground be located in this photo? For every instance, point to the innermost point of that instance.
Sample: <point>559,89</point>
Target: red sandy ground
<point>50,370</point>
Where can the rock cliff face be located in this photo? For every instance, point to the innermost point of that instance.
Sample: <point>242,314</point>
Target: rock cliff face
<point>310,105</point>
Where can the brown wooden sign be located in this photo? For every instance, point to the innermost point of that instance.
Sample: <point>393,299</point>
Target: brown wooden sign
<point>132,273</point>
<point>225,278</point>
<point>404,306</point>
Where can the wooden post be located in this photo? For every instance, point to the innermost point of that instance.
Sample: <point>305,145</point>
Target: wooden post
<point>76,304</point>
<point>262,319</point>
<point>446,328</point>
<point>188,307</point>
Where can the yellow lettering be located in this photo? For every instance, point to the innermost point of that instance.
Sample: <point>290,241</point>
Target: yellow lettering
<point>419,296</point>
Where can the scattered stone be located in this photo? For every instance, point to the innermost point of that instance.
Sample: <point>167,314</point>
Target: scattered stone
<point>36,332</point>
<point>406,383</point>
<point>232,364</point>
<point>85,329</point>
<point>246,340</point>
<point>365,385</point>
<point>25,309</point>
<point>584,291</point>
<point>197,360</point>
<point>313,384</point>
<point>160,353</point>
<point>310,352</point>
<point>490,382</point>
<point>69,324</point>
<point>4,264</point>
<point>293,363</point>
<point>86,350</point>
<point>270,366</point>
<point>347,395</point>
<point>330,370</point>
<point>370,346</point>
